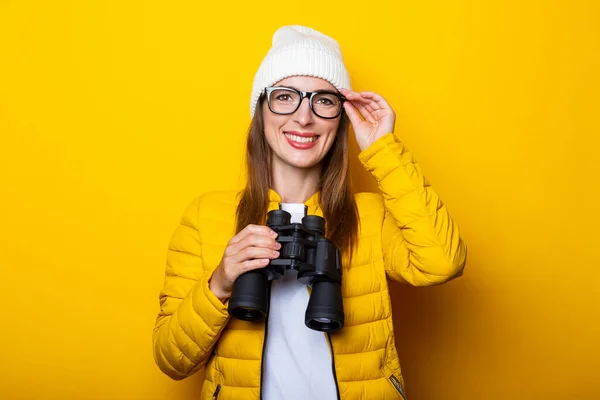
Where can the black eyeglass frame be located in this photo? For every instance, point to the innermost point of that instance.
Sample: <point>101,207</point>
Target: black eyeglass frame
<point>308,95</point>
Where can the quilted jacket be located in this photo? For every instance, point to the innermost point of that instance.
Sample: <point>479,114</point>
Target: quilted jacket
<point>406,234</point>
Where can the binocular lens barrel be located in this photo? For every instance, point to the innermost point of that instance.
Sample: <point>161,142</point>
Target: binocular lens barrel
<point>325,310</point>
<point>314,223</point>
<point>278,218</point>
<point>250,296</point>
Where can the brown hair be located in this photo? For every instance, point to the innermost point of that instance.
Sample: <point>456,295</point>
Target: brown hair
<point>336,198</point>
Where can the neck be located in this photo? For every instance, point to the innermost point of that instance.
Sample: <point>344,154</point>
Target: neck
<point>295,185</point>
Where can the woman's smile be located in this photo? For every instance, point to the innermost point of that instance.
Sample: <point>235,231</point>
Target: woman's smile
<point>301,140</point>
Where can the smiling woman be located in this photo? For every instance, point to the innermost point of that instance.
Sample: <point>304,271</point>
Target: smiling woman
<point>297,158</point>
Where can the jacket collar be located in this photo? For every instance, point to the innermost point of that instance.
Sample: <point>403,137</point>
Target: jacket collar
<point>312,203</point>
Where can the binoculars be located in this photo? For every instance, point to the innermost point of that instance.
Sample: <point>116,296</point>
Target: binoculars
<point>318,263</point>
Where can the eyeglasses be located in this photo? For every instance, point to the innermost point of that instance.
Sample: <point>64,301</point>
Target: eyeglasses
<point>323,103</point>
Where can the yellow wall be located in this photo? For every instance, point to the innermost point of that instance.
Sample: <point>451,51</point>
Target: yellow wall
<point>114,115</point>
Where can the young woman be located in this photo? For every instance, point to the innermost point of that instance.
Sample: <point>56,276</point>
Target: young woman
<point>297,160</point>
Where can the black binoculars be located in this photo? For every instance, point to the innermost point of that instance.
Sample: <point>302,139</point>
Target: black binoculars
<point>317,260</point>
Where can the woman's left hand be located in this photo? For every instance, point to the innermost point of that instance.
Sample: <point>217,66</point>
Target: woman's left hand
<point>379,118</point>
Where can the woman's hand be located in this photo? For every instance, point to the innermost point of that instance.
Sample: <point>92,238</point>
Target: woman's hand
<point>378,118</point>
<point>252,248</point>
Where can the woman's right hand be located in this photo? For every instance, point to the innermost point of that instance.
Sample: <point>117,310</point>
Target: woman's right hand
<point>252,248</point>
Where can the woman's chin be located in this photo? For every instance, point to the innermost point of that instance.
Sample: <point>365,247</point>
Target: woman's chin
<point>301,163</point>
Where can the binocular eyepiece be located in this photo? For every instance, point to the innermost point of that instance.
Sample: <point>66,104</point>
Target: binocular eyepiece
<point>317,260</point>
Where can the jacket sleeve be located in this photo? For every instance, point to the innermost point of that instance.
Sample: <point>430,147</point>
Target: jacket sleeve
<point>421,243</point>
<point>191,317</point>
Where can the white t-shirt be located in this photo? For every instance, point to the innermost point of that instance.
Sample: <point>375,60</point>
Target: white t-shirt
<point>297,363</point>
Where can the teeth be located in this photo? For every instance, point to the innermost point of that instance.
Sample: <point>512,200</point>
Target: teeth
<point>300,139</point>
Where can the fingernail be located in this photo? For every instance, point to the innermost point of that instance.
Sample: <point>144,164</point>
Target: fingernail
<point>275,253</point>
<point>274,234</point>
<point>278,245</point>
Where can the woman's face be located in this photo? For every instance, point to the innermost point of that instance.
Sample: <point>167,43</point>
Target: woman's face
<point>301,139</point>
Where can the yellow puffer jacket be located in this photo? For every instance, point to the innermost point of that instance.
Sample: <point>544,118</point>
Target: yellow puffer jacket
<point>405,234</point>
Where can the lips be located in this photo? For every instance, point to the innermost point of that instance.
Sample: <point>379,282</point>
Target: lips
<point>301,140</point>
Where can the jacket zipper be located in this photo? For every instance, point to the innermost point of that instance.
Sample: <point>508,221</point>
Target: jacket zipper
<point>216,393</point>
<point>264,348</point>
<point>397,385</point>
<point>337,387</point>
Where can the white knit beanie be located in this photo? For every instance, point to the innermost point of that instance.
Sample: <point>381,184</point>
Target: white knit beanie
<point>299,50</point>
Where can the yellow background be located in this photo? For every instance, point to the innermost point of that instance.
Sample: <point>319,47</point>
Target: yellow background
<point>115,114</point>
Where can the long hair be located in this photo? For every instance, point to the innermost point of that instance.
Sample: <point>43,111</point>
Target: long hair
<point>336,198</point>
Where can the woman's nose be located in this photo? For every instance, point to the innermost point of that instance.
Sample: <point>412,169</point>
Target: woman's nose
<point>304,114</point>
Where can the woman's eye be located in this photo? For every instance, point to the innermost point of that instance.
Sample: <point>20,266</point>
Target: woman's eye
<point>325,102</point>
<point>283,97</point>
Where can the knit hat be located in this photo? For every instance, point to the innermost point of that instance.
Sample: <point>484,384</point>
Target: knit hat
<point>299,50</point>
